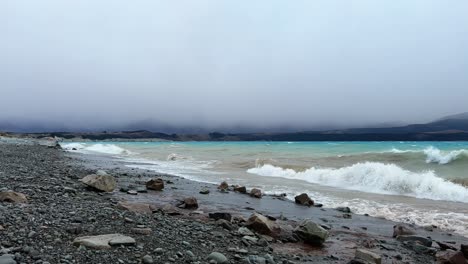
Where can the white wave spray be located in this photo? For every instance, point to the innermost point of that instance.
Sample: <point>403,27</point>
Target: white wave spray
<point>435,155</point>
<point>374,177</point>
<point>99,148</point>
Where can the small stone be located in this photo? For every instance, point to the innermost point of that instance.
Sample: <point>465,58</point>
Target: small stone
<point>132,192</point>
<point>402,230</point>
<point>217,257</point>
<point>368,256</point>
<point>205,191</point>
<point>220,215</point>
<point>257,193</point>
<point>159,251</point>
<point>303,199</point>
<point>142,231</point>
<point>147,259</point>
<point>343,209</point>
<point>240,189</point>
<point>223,186</point>
<point>155,184</point>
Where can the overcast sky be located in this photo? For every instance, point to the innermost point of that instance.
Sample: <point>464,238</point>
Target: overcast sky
<point>94,64</point>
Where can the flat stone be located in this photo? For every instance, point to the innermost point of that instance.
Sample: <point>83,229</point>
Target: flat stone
<point>7,259</point>
<point>104,241</point>
<point>135,207</point>
<point>13,197</point>
<point>410,238</point>
<point>450,256</point>
<point>368,256</point>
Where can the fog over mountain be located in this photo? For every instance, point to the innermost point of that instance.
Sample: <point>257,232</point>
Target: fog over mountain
<point>230,65</point>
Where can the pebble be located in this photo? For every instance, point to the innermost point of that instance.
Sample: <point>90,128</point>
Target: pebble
<point>147,259</point>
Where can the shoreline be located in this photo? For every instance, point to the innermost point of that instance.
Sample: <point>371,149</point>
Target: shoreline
<point>346,234</point>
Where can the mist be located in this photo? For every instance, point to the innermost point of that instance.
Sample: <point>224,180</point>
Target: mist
<point>230,65</point>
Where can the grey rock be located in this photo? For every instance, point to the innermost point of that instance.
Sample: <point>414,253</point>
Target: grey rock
<point>217,257</point>
<point>421,240</point>
<point>368,256</point>
<point>311,233</point>
<point>147,259</point>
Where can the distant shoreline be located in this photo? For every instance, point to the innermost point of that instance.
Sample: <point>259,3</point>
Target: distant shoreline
<point>143,135</point>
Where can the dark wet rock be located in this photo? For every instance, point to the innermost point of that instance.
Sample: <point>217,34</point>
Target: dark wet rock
<point>402,230</point>
<point>223,186</point>
<point>464,250</point>
<point>220,215</point>
<point>240,189</point>
<point>368,256</point>
<point>190,203</point>
<point>205,191</point>
<point>13,197</point>
<point>261,224</point>
<point>257,193</point>
<point>343,209</point>
<point>155,184</point>
<point>445,246</point>
<point>311,233</point>
<point>103,183</point>
<point>450,257</point>
<point>411,238</point>
<point>225,224</point>
<point>303,199</point>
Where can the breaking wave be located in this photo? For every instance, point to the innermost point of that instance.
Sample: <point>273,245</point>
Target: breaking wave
<point>374,177</point>
<point>99,148</point>
<point>435,155</point>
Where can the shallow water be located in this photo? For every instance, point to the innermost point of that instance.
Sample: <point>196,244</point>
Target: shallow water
<point>401,181</point>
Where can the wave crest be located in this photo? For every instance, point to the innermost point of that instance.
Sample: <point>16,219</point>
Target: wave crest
<point>435,155</point>
<point>100,148</point>
<point>374,177</point>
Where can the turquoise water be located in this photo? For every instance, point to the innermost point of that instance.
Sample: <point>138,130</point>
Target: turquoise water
<point>403,181</point>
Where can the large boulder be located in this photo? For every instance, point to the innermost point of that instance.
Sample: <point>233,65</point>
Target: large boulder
<point>257,193</point>
<point>261,224</point>
<point>402,230</point>
<point>13,197</point>
<point>102,183</point>
<point>104,241</point>
<point>311,233</point>
<point>304,199</point>
<point>155,184</point>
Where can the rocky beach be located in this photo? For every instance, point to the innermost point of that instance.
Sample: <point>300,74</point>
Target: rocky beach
<point>62,207</point>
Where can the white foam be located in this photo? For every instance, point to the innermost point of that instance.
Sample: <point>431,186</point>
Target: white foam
<point>374,177</point>
<point>99,148</point>
<point>435,155</point>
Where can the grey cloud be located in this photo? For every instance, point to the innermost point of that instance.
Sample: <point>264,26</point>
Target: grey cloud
<point>305,64</point>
